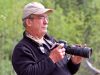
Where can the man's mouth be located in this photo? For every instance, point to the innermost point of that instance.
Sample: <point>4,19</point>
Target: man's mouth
<point>45,27</point>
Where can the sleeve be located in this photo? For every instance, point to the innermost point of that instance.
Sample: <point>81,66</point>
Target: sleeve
<point>24,63</point>
<point>73,68</point>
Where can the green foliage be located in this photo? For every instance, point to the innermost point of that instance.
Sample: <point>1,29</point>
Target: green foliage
<point>6,68</point>
<point>76,21</point>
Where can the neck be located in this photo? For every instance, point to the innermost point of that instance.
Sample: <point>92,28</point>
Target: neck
<point>36,36</point>
<point>40,40</point>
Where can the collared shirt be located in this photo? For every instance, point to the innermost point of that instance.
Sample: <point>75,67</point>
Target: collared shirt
<point>43,42</point>
<point>40,41</point>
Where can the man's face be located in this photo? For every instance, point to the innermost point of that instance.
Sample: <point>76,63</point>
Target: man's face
<point>39,24</point>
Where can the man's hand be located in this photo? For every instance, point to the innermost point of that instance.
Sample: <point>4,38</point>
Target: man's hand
<point>57,53</point>
<point>76,59</point>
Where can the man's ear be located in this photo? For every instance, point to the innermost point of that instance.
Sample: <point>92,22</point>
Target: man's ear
<point>28,22</point>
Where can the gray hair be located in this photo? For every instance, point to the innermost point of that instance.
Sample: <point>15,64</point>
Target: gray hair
<point>29,17</point>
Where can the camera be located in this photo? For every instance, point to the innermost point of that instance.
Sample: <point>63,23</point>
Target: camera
<point>85,52</point>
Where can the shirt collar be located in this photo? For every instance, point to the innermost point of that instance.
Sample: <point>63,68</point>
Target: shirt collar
<point>40,41</point>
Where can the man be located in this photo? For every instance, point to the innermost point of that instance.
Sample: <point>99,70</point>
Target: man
<point>34,55</point>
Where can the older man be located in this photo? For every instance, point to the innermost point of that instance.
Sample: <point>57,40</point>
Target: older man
<point>34,55</point>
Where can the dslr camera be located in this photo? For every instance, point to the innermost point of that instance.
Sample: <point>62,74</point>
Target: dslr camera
<point>85,52</point>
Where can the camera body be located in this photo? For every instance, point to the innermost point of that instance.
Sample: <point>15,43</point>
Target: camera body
<point>85,52</point>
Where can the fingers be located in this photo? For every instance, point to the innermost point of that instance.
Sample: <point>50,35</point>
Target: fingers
<point>76,59</point>
<point>60,46</point>
<point>57,53</point>
<point>62,51</point>
<point>57,46</point>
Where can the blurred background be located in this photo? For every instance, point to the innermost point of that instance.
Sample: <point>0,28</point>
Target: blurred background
<point>75,21</point>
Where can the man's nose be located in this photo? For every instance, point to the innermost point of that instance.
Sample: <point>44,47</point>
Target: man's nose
<point>45,20</point>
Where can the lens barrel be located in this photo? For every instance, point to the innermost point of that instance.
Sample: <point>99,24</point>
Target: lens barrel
<point>76,50</point>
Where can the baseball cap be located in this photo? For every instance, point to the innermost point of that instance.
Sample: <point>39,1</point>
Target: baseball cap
<point>35,8</point>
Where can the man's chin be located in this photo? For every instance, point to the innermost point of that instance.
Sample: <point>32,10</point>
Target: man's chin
<point>44,32</point>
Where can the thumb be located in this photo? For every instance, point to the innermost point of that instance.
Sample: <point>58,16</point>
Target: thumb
<point>60,46</point>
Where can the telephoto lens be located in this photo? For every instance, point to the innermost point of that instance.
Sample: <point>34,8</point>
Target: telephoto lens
<point>85,52</point>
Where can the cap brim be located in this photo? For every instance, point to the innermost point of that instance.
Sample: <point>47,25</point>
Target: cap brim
<point>38,11</point>
<point>42,11</point>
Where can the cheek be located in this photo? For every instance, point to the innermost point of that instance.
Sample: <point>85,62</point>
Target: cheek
<point>37,25</point>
